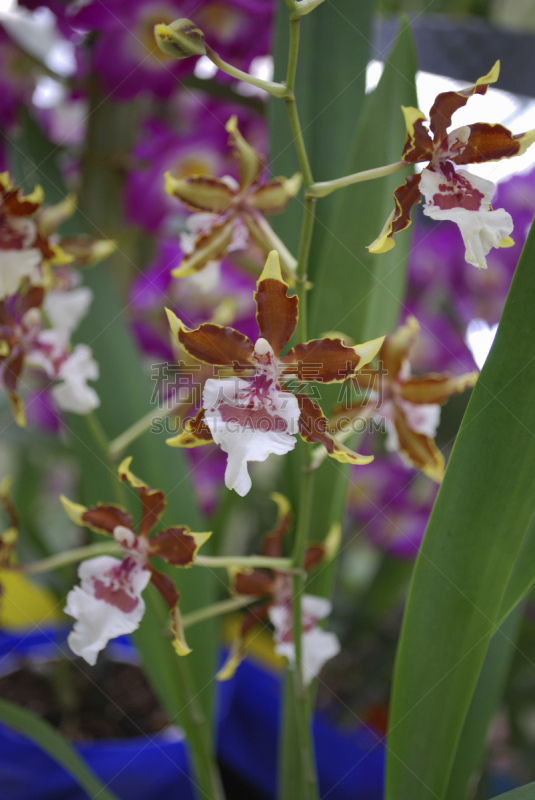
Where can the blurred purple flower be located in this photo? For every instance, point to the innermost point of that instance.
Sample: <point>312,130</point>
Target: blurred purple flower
<point>203,152</point>
<point>222,292</point>
<point>42,411</point>
<point>392,504</point>
<point>126,55</point>
<point>440,346</point>
<point>17,79</point>
<point>207,472</point>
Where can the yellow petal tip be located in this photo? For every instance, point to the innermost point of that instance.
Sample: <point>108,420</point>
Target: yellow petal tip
<point>381,245</point>
<point>272,268</point>
<point>73,510</point>
<point>507,241</point>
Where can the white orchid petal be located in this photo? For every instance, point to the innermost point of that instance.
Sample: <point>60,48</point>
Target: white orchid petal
<point>97,620</point>
<point>423,418</point>
<point>249,429</point>
<point>318,646</point>
<point>482,227</point>
<point>73,394</point>
<point>66,309</point>
<point>14,266</point>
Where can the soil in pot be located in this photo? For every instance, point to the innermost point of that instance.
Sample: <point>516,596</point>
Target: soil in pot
<point>111,700</point>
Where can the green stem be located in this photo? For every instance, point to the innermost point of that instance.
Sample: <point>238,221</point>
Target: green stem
<point>207,772</point>
<point>105,548</point>
<point>291,106</point>
<point>217,609</point>
<point>275,89</point>
<point>310,788</point>
<point>302,263</point>
<point>97,432</point>
<point>326,187</point>
<point>301,722</point>
<point>281,564</point>
<point>121,442</point>
<point>205,775</point>
<point>70,556</point>
<point>101,440</point>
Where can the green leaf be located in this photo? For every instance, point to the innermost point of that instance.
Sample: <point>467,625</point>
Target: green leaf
<point>523,574</point>
<point>526,792</point>
<point>355,291</point>
<point>468,555</point>
<point>485,702</point>
<point>53,743</point>
<point>329,93</point>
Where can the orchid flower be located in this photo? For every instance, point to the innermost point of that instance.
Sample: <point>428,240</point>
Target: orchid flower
<point>109,602</point>
<point>29,245</point>
<point>318,646</point>
<point>273,589</point>
<point>452,193</point>
<point>409,404</point>
<point>254,415</point>
<point>20,254</point>
<point>26,342</point>
<point>230,213</point>
<point>38,285</point>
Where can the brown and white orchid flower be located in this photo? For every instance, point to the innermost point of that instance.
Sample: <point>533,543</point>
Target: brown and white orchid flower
<point>452,193</point>
<point>20,253</point>
<point>29,245</point>
<point>252,414</point>
<point>230,213</point>
<point>409,404</point>
<point>26,342</point>
<point>273,590</point>
<point>108,603</point>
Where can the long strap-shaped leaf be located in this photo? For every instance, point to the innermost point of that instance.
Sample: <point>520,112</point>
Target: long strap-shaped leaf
<point>355,291</point>
<point>50,740</point>
<point>485,702</point>
<point>467,557</point>
<point>329,91</point>
<point>526,792</point>
<point>351,286</point>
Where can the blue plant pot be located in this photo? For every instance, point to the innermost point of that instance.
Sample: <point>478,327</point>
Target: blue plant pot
<point>350,766</point>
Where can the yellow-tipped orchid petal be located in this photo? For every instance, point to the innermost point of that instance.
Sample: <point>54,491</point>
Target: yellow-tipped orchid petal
<point>209,246</point>
<point>233,661</point>
<point>74,511</point>
<point>332,541</point>
<point>125,473</point>
<point>179,640</point>
<point>249,162</point>
<point>272,269</point>
<point>196,432</point>
<point>283,505</point>
<point>201,192</point>
<point>273,196</point>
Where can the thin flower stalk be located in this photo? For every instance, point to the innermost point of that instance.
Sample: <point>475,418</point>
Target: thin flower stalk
<point>274,89</point>
<point>324,188</point>
<point>301,694</point>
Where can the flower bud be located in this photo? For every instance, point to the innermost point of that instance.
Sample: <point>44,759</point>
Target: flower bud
<point>181,39</point>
